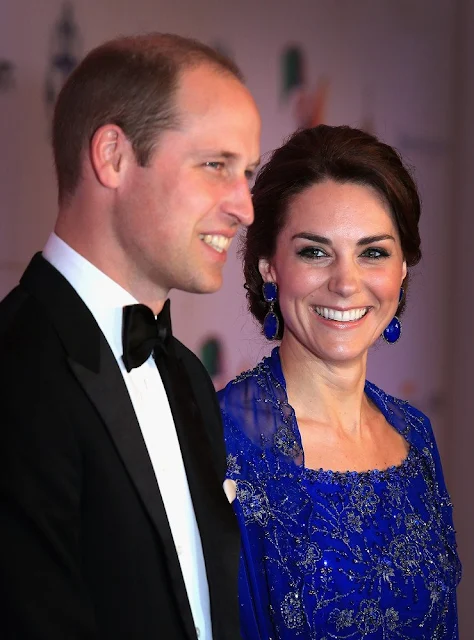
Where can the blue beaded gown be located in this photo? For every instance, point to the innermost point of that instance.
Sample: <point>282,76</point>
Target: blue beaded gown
<point>325,555</point>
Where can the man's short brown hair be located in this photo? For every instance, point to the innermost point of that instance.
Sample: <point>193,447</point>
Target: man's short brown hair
<point>130,82</point>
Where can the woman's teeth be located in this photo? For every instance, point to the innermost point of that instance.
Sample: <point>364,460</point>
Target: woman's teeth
<point>341,316</point>
<point>219,243</point>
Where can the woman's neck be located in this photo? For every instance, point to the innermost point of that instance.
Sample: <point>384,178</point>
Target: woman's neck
<point>331,393</point>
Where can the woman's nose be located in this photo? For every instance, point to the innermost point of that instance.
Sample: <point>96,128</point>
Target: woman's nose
<point>344,279</point>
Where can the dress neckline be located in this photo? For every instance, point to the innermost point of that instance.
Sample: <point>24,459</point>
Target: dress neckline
<point>408,467</point>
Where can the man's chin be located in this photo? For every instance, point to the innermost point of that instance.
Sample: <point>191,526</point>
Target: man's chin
<point>210,289</point>
<point>210,285</point>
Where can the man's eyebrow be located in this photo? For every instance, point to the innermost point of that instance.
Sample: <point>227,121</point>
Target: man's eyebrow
<point>229,155</point>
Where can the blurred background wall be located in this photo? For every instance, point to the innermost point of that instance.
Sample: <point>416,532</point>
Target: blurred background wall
<point>402,69</point>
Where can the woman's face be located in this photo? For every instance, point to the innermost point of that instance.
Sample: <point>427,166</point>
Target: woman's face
<point>339,267</point>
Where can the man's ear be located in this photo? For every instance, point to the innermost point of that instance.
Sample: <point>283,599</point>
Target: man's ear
<point>110,151</point>
<point>266,270</point>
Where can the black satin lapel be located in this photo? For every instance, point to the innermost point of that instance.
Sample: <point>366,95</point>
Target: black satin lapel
<point>108,392</point>
<point>214,515</point>
<point>204,483</point>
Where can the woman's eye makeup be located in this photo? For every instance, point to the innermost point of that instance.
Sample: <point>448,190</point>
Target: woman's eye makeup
<point>312,252</point>
<point>317,251</point>
<point>375,253</point>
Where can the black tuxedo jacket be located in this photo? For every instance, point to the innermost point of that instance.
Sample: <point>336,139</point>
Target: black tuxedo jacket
<point>85,546</point>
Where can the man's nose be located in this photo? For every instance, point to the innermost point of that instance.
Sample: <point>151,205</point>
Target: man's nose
<point>240,204</point>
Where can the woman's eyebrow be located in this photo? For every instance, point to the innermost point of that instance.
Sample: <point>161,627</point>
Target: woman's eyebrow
<point>312,237</point>
<point>323,240</point>
<point>372,239</point>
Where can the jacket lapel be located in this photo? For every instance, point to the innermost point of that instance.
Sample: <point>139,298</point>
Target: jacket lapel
<point>210,503</point>
<point>94,365</point>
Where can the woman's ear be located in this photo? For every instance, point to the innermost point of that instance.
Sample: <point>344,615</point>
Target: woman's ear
<point>404,270</point>
<point>266,270</point>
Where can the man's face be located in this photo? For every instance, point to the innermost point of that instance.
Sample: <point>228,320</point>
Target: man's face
<point>176,217</point>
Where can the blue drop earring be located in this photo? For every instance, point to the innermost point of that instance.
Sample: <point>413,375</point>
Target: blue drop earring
<point>394,330</point>
<point>271,324</point>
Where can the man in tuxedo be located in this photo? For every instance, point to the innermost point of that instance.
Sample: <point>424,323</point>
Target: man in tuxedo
<point>114,523</point>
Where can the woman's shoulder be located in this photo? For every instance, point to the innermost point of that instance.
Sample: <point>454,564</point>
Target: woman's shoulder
<point>241,382</point>
<point>406,418</point>
<point>249,386</point>
<point>253,406</point>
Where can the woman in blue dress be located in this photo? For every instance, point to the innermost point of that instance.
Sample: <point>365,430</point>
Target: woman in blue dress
<point>346,522</point>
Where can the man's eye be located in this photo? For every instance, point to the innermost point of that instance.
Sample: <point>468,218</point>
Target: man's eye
<point>215,164</point>
<point>375,253</point>
<point>312,252</point>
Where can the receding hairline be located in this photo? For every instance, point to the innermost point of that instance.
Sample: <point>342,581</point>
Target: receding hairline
<point>136,69</point>
<point>184,52</point>
<point>184,55</point>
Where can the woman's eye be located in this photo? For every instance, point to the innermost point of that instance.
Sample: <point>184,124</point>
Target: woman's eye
<point>312,252</point>
<point>375,253</point>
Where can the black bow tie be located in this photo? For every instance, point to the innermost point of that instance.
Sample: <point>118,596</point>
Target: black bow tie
<point>143,334</point>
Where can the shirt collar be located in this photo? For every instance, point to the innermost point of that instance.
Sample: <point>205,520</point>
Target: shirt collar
<point>104,298</point>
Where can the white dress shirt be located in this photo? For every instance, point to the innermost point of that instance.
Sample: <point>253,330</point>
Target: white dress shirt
<point>105,300</point>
